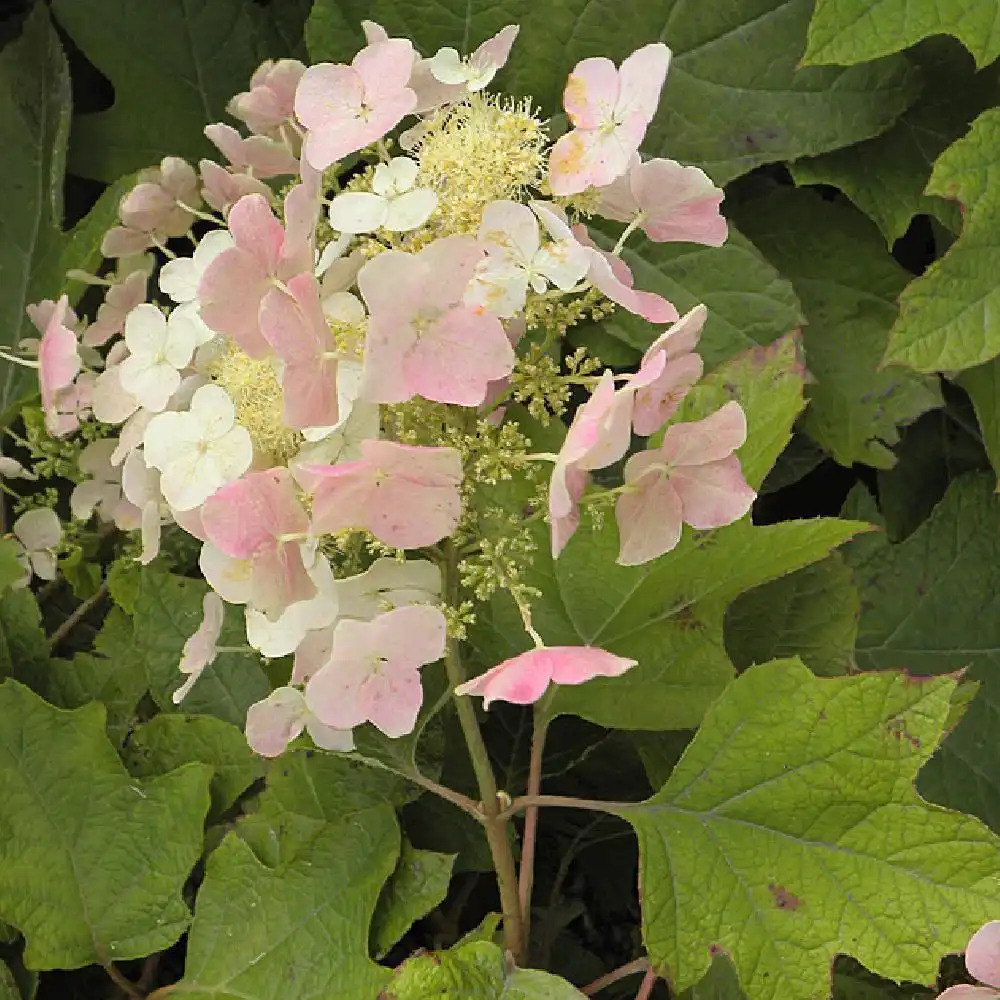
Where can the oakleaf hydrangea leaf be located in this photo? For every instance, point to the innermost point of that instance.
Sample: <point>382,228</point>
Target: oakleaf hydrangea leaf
<point>855,31</point>
<point>35,252</point>
<point>169,741</point>
<point>288,898</point>
<point>931,603</point>
<point>736,96</point>
<point>848,285</point>
<point>812,613</point>
<point>419,883</point>
<point>475,970</point>
<point>948,316</point>
<point>92,861</point>
<point>885,176</point>
<point>190,58</point>
<point>790,831</point>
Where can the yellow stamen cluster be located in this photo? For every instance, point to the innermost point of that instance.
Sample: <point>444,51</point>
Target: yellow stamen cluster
<point>558,315</point>
<point>485,149</point>
<point>254,388</point>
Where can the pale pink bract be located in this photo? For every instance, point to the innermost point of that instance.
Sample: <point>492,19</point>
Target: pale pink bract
<point>422,339</point>
<point>406,496</point>
<point>345,108</point>
<point>373,674</point>
<point>523,679</point>
<point>260,518</point>
<point>610,109</point>
<point>693,478</point>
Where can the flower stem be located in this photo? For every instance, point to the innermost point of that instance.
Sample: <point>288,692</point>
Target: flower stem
<point>646,987</point>
<point>622,972</point>
<point>529,839</point>
<point>494,821</point>
<point>524,802</point>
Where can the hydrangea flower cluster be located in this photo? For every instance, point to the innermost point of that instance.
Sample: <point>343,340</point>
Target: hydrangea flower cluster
<point>330,386</point>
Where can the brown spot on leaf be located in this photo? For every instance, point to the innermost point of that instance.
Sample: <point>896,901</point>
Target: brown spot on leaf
<point>897,728</point>
<point>783,899</point>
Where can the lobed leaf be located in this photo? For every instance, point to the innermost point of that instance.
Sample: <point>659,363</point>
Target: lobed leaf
<point>790,831</point>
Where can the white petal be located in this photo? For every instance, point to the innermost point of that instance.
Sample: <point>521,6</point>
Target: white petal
<point>188,313</point>
<point>38,529</point>
<point>344,307</point>
<point>84,498</point>
<point>230,578</point>
<point>182,338</point>
<point>140,483</point>
<point>331,252</point>
<point>213,410</point>
<point>411,210</point>
<point>151,383</point>
<point>232,454</point>
<point>43,564</point>
<point>275,638</point>
<point>165,435</point>
<point>150,533</point>
<point>358,212</point>
<point>145,329</point>
<point>447,66</point>
<point>395,177</point>
<point>189,480</point>
<point>179,279</point>
<point>564,263</point>
<point>328,738</point>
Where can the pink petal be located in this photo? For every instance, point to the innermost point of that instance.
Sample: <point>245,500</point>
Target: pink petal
<point>700,441</point>
<point>968,993</point>
<point>274,722</point>
<point>649,519</point>
<point>649,305</point>
<point>407,496</point>
<point>455,360</point>
<point>712,494</point>
<point>58,358</point>
<point>591,92</point>
<point>657,402</point>
<point>412,635</point>
<point>385,69</point>
<point>641,79</point>
<point>579,664</point>
<point>982,956</point>
<point>682,337</point>
<point>680,204</point>
<point>520,680</point>
<point>391,700</point>
<point>571,484</point>
<point>257,231</point>
<point>230,293</point>
<point>495,51</point>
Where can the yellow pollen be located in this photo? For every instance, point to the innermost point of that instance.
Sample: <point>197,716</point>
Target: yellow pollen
<point>483,150</point>
<point>252,384</point>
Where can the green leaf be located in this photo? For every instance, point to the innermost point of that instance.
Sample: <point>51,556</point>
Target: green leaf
<point>288,897</point>
<point>886,176</point>
<point>24,649</point>
<point>168,610</point>
<point>188,59</point>
<point>170,741</point>
<point>35,252</point>
<point>790,831</point>
<point>11,571</point>
<point>111,675</point>
<point>736,96</point>
<point>476,970</point>
<point>933,451</point>
<point>812,613</point>
<point>92,861</point>
<point>8,985</point>
<point>848,285</point>
<point>948,316</point>
<point>982,383</point>
<point>854,31</point>
<point>931,604</point>
<point>668,613</point>
<point>419,883</point>
<point>853,982</point>
<point>719,983</point>
<point>748,302</point>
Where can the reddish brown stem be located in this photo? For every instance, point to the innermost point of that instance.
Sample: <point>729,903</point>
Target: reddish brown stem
<point>527,873</point>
